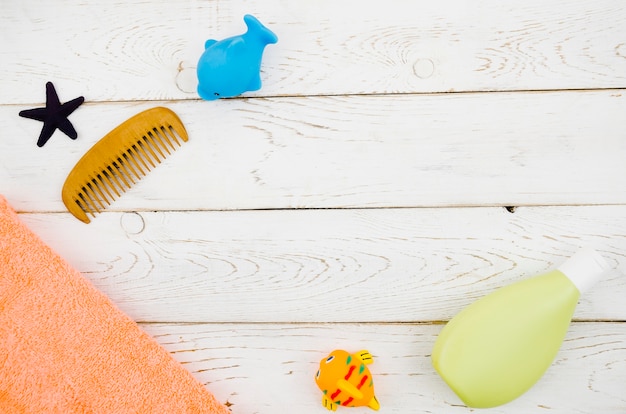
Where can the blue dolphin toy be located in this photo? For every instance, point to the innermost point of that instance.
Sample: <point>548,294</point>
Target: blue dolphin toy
<point>232,66</point>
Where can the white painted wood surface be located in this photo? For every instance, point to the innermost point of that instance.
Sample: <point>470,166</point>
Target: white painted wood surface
<point>349,202</point>
<point>350,152</point>
<point>144,50</point>
<point>289,266</point>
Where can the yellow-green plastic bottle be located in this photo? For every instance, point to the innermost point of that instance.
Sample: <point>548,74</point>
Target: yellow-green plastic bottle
<point>499,346</point>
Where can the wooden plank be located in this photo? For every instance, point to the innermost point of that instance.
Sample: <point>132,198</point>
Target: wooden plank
<point>149,50</point>
<point>274,235</point>
<point>358,151</point>
<point>389,265</point>
<point>270,368</point>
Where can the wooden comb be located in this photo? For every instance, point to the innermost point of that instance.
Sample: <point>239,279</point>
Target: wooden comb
<point>120,159</point>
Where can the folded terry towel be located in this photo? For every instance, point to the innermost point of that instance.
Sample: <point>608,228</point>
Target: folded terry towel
<point>65,348</point>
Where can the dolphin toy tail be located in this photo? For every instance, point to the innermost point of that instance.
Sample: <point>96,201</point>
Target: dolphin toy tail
<point>256,28</point>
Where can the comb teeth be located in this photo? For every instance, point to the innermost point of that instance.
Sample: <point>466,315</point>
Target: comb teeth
<point>120,159</point>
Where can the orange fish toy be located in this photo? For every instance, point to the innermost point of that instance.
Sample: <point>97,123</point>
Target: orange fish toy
<point>345,380</point>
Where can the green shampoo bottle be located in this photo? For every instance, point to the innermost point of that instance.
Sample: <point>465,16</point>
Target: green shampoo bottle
<point>498,347</point>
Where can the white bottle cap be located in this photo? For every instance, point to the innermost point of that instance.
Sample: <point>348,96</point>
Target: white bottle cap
<point>585,268</point>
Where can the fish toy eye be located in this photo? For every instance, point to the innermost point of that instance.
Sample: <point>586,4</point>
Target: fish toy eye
<point>318,374</point>
<point>330,358</point>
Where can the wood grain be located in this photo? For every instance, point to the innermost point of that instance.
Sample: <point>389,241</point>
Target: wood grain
<point>387,265</point>
<point>138,50</point>
<point>270,368</point>
<point>356,201</point>
<point>326,152</point>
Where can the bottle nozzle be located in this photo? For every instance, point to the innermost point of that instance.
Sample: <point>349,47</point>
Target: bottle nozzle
<point>585,268</point>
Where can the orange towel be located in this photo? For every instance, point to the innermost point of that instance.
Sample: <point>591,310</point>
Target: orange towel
<point>65,348</point>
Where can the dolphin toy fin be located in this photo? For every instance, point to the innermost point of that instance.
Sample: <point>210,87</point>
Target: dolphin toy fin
<point>256,27</point>
<point>209,43</point>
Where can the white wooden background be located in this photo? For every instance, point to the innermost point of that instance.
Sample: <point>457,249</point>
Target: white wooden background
<point>358,200</point>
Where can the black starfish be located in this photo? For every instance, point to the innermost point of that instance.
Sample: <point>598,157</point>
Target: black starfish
<point>54,115</point>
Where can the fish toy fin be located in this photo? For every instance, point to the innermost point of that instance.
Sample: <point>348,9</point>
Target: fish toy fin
<point>329,404</point>
<point>209,43</point>
<point>349,389</point>
<point>256,28</point>
<point>373,404</point>
<point>365,356</point>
